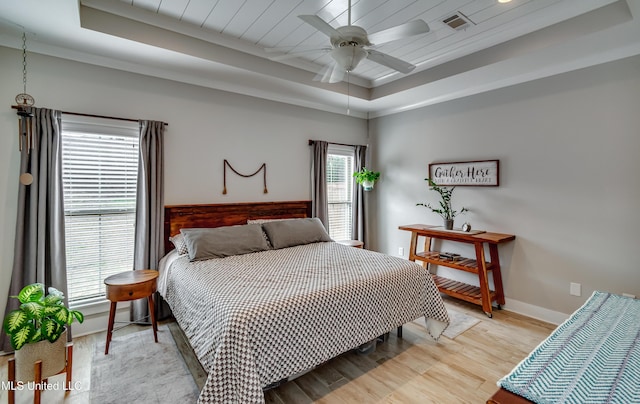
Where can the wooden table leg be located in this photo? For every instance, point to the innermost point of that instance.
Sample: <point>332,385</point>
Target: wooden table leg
<point>153,317</point>
<point>38,382</point>
<point>413,246</point>
<point>112,317</point>
<point>496,273</point>
<point>11,393</point>
<point>484,280</point>
<point>69,367</point>
<point>427,248</point>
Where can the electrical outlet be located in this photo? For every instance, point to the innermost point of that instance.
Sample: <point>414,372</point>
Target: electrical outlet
<point>401,251</point>
<point>575,289</point>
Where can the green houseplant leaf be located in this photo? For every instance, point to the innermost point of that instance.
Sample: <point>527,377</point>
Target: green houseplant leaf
<point>40,317</point>
<point>31,293</point>
<point>22,336</point>
<point>51,329</point>
<point>34,310</point>
<point>75,314</point>
<point>14,321</point>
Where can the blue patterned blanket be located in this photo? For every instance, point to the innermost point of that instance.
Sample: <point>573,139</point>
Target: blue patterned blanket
<point>593,357</point>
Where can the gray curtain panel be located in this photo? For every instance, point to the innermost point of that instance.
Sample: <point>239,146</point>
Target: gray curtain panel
<point>319,201</point>
<point>358,225</point>
<point>39,251</point>
<point>149,245</point>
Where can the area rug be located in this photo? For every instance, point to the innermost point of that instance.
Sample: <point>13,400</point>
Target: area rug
<point>139,370</point>
<point>460,323</point>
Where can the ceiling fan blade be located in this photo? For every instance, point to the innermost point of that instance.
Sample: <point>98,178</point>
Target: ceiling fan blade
<point>293,55</point>
<point>331,73</point>
<point>294,48</point>
<point>390,61</point>
<point>406,30</point>
<point>319,24</point>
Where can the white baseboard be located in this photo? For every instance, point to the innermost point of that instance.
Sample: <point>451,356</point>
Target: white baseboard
<point>539,313</point>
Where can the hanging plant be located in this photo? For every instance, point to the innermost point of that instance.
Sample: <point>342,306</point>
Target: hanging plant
<point>366,178</point>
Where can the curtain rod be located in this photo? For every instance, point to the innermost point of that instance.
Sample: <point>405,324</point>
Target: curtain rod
<point>95,116</point>
<point>311,142</point>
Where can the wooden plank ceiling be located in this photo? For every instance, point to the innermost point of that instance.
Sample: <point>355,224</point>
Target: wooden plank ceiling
<point>275,23</point>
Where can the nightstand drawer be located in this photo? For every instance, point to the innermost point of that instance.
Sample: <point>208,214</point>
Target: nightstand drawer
<point>121,293</point>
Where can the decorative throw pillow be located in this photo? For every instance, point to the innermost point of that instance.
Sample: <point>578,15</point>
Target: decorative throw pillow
<point>179,244</point>
<point>225,241</point>
<point>292,232</point>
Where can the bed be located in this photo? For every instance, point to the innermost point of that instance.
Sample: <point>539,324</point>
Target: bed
<point>260,317</point>
<point>593,357</point>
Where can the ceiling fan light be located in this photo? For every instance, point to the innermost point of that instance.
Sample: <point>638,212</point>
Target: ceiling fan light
<point>348,56</point>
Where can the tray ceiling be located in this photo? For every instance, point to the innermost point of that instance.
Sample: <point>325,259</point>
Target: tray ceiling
<point>221,44</point>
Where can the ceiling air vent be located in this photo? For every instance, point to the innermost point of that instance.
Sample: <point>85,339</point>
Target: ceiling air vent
<point>457,21</point>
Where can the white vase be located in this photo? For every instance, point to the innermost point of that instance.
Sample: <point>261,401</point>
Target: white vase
<point>53,357</point>
<point>367,185</point>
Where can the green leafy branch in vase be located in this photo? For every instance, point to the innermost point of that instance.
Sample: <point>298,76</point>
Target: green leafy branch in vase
<point>445,210</point>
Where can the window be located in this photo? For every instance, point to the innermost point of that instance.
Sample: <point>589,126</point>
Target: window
<point>340,190</point>
<point>99,170</point>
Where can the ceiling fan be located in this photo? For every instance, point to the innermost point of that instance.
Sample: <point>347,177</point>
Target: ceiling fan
<point>351,44</point>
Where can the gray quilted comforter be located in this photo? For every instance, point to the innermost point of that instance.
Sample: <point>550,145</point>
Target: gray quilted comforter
<point>255,319</point>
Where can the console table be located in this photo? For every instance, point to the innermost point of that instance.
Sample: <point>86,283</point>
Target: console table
<point>478,295</point>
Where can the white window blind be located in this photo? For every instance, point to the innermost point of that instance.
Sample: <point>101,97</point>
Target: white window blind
<point>340,190</point>
<point>99,169</point>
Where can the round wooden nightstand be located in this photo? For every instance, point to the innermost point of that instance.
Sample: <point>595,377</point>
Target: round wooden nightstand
<point>131,285</point>
<point>351,243</point>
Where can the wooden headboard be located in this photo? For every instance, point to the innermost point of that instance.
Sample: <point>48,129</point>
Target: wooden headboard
<point>177,217</point>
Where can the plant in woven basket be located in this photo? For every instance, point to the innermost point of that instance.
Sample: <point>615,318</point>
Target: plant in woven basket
<point>40,316</point>
<point>445,210</point>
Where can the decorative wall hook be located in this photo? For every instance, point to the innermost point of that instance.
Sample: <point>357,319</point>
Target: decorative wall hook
<point>262,167</point>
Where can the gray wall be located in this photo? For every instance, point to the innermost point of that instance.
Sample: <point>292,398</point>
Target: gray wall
<point>569,151</point>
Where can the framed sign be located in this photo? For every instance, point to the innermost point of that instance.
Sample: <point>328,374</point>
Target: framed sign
<point>484,173</point>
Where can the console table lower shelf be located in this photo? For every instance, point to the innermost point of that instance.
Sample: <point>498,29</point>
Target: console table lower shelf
<point>462,291</point>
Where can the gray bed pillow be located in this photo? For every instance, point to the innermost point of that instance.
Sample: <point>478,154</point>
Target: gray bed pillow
<point>222,242</point>
<point>292,232</point>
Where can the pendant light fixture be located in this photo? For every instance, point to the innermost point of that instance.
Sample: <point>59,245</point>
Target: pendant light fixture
<point>24,103</point>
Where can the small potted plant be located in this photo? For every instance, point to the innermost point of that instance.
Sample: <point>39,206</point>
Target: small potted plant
<point>366,178</point>
<point>445,210</point>
<point>37,330</point>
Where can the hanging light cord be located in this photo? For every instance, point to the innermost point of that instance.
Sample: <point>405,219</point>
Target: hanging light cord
<point>24,62</point>
<point>348,93</point>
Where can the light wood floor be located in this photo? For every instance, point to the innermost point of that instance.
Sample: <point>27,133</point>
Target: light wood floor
<point>414,369</point>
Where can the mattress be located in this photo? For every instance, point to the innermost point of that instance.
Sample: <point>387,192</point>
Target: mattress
<point>258,318</point>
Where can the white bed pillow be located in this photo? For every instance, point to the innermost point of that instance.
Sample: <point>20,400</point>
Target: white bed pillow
<point>292,232</point>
